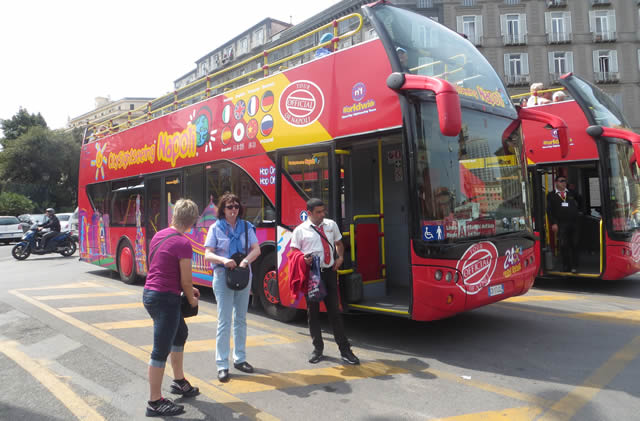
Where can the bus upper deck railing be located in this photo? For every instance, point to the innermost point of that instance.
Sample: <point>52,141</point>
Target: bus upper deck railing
<point>104,128</point>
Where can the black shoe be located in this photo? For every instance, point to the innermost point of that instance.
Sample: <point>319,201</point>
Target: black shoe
<point>223,375</point>
<point>163,408</point>
<point>184,388</point>
<point>574,271</point>
<point>349,358</point>
<point>316,357</point>
<point>245,367</point>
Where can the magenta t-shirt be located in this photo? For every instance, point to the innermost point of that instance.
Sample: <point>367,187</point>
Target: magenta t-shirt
<point>164,270</point>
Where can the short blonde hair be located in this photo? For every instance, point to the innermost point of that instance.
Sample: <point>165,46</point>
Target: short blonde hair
<point>538,86</point>
<point>559,96</point>
<point>185,213</point>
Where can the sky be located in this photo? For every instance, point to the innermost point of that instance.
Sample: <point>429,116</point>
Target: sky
<point>57,56</point>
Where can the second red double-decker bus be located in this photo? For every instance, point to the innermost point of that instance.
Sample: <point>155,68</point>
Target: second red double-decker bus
<point>419,160</point>
<point>601,169</point>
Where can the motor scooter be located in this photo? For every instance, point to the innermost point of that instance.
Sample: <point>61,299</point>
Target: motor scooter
<point>31,242</point>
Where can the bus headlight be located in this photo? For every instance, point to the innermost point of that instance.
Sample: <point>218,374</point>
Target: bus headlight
<point>438,275</point>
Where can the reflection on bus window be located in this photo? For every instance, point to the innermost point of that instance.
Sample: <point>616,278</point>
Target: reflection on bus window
<point>624,189</point>
<point>310,172</point>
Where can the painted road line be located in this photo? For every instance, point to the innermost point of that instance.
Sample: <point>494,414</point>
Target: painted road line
<point>86,284</point>
<point>91,295</point>
<point>301,378</point>
<point>511,414</point>
<point>130,324</point>
<point>209,345</point>
<point>104,307</point>
<point>530,298</point>
<point>61,391</point>
<point>237,405</point>
<point>567,407</point>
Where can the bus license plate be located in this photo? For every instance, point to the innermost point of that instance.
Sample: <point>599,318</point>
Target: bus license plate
<point>496,290</point>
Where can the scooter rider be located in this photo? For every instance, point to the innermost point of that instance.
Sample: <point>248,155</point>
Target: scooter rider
<point>53,224</point>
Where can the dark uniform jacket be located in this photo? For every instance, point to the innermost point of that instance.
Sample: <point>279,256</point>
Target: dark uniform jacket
<point>53,223</point>
<point>559,214</point>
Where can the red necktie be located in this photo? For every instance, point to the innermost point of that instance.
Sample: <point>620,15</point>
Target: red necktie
<point>562,195</point>
<point>325,246</point>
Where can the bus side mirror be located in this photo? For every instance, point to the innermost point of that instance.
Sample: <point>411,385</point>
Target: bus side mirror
<point>599,131</point>
<point>447,99</point>
<point>554,121</point>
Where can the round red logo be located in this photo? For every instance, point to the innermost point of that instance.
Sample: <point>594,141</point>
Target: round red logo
<point>301,103</point>
<point>635,246</point>
<point>477,265</point>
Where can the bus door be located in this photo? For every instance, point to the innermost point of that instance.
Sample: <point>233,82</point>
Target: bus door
<point>162,192</point>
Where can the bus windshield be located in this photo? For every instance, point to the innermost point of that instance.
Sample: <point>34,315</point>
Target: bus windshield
<point>425,47</point>
<point>624,187</point>
<point>471,186</point>
<point>599,105</point>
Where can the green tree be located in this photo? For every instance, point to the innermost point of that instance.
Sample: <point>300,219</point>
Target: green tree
<point>14,204</point>
<point>20,123</point>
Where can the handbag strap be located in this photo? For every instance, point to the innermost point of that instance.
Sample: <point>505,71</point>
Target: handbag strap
<point>153,253</point>
<point>246,238</point>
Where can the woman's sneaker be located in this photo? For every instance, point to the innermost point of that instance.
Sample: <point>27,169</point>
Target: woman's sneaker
<point>163,407</point>
<point>184,388</point>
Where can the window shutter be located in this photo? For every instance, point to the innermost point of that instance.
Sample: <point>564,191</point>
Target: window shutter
<point>525,63</point>
<point>507,71</point>
<point>503,24</point>
<point>613,57</point>
<point>523,24</point>
<point>479,31</point>
<point>552,68</point>
<point>592,20</point>
<point>596,64</point>
<point>567,22</point>
<point>459,25</point>
<point>547,22</point>
<point>612,20</point>
<point>569,56</point>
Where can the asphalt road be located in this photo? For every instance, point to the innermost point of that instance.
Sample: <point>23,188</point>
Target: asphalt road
<point>75,342</point>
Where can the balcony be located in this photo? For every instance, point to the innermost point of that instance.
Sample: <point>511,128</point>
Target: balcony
<point>517,80</point>
<point>514,39</point>
<point>556,3</point>
<point>555,77</point>
<point>559,37</point>
<point>604,36</point>
<point>606,77</point>
<point>600,2</point>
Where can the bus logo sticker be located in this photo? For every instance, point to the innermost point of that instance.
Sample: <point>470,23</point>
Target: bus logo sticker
<point>226,114</point>
<point>238,132</point>
<point>477,265</point>
<point>635,246</point>
<point>266,125</point>
<point>100,160</point>
<point>238,111</point>
<point>301,103</point>
<point>358,91</point>
<point>433,232</point>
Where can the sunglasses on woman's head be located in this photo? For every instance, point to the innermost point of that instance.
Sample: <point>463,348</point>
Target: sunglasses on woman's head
<point>233,206</point>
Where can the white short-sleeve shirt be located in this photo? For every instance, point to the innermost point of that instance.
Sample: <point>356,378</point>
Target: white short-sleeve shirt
<point>308,241</point>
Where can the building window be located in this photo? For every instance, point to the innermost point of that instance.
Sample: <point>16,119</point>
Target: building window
<point>132,107</point>
<point>605,66</point>
<point>603,25</point>
<point>556,3</point>
<point>560,63</point>
<point>468,3</point>
<point>243,45</point>
<point>514,28</point>
<point>511,2</point>
<point>471,26</point>
<point>558,27</point>
<point>258,37</point>
<point>516,68</point>
<point>424,4</point>
<point>371,34</point>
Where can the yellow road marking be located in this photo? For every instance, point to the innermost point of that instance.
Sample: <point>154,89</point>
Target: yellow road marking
<point>130,324</point>
<point>92,295</point>
<point>85,284</point>
<point>528,298</point>
<point>79,309</point>
<point>220,396</point>
<point>512,414</point>
<point>272,381</point>
<point>568,406</point>
<point>60,390</point>
<point>209,345</point>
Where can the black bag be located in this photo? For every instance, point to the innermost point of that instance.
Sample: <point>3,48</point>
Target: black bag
<point>238,278</point>
<point>185,305</point>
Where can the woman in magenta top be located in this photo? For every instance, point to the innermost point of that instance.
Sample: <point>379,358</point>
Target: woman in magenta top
<point>170,274</point>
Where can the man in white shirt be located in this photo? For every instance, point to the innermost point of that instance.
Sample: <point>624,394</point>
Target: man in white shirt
<point>320,236</point>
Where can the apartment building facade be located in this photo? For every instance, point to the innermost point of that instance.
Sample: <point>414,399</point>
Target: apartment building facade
<point>111,113</point>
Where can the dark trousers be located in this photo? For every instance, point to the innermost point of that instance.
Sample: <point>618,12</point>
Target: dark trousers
<point>568,240</point>
<point>47,238</point>
<point>330,280</point>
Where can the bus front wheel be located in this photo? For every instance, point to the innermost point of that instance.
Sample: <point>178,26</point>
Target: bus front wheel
<point>126,263</point>
<point>269,293</point>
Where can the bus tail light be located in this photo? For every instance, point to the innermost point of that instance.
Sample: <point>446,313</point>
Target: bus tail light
<point>449,298</point>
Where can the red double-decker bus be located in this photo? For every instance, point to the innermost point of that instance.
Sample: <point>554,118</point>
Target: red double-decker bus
<point>419,159</point>
<point>601,167</point>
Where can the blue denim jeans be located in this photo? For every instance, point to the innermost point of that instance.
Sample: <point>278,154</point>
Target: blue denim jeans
<point>169,329</point>
<point>230,303</point>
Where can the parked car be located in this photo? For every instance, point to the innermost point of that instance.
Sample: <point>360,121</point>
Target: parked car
<point>10,229</point>
<point>73,222</point>
<point>64,221</point>
<point>28,219</point>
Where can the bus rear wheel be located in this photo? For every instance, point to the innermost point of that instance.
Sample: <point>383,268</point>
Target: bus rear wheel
<point>269,292</point>
<point>126,263</point>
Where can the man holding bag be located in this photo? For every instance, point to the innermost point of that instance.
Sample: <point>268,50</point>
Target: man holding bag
<point>321,237</point>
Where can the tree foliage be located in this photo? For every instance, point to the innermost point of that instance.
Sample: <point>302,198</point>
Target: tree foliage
<point>20,123</point>
<point>14,204</point>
